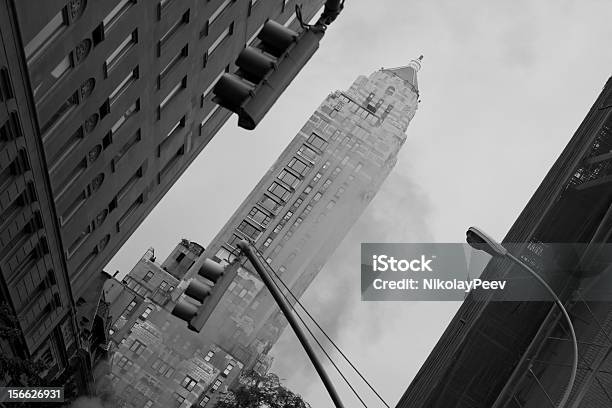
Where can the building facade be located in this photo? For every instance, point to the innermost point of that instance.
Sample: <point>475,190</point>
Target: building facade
<point>155,361</point>
<point>519,353</point>
<point>104,104</point>
<point>305,204</point>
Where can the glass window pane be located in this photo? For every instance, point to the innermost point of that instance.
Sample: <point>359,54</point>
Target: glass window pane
<point>45,34</point>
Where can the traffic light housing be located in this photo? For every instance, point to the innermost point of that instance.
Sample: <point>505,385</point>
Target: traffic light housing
<point>265,71</point>
<point>204,294</point>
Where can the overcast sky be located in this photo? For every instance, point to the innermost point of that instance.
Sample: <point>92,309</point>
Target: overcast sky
<point>503,86</point>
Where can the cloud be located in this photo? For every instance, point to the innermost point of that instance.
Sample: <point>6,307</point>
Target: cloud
<point>398,213</point>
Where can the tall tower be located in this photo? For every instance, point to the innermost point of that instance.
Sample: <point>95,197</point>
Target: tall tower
<point>302,208</point>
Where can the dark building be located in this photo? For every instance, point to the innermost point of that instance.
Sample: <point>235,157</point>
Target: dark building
<point>518,354</point>
<point>104,105</point>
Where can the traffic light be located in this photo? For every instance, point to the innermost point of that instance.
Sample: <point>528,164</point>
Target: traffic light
<point>265,71</point>
<point>203,295</point>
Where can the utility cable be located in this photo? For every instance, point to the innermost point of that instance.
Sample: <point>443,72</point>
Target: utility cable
<point>327,336</point>
<point>267,266</point>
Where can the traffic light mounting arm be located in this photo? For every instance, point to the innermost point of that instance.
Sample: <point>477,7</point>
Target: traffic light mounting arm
<point>267,68</point>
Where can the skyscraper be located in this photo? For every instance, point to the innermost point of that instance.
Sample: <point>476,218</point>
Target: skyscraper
<point>302,208</point>
<point>155,361</point>
<point>104,104</point>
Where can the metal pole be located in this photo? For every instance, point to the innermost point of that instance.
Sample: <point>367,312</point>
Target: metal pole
<point>245,247</point>
<point>570,384</point>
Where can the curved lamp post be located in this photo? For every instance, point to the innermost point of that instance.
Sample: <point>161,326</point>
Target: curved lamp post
<point>481,241</point>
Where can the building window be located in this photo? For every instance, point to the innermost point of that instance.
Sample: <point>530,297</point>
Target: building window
<point>298,166</point>
<point>229,368</point>
<point>208,116</point>
<point>267,242</point>
<point>358,167</point>
<point>116,13</point>
<point>178,398</point>
<point>126,148</point>
<point>225,34</point>
<point>317,142</point>
<point>135,107</point>
<point>137,347</point>
<point>269,204</point>
<point>216,385</point>
<point>307,153</point>
<point>204,401</point>
<point>148,276</point>
<point>131,210</point>
<point>163,4</point>
<point>259,216</point>
<point>210,87</point>
<point>46,35</point>
<point>317,197</point>
<point>61,68</point>
<point>183,53</point>
<point>60,114</point>
<point>146,313</point>
<point>79,241</point>
<point>326,184</point>
<point>290,20</point>
<point>279,191</point>
<point>173,30</point>
<point>173,92</point>
<point>209,355</point>
<point>123,85</point>
<point>127,187</point>
<point>249,230</point>
<point>307,210</point>
<point>73,207</point>
<point>288,178</point>
<point>120,51</point>
<point>128,310</point>
<point>254,36</point>
<point>288,215</point>
<point>316,178</point>
<point>225,256</point>
<point>170,164</point>
<point>124,363</point>
<point>224,5</point>
<point>297,203</point>
<point>233,241</point>
<point>188,383</point>
<point>170,135</point>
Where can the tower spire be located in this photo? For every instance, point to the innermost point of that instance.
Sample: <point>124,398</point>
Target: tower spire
<point>408,72</point>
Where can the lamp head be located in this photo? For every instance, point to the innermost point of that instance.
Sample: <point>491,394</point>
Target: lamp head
<point>481,241</point>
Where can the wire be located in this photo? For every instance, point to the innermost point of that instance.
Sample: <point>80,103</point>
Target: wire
<point>333,343</point>
<point>321,329</point>
<point>309,331</point>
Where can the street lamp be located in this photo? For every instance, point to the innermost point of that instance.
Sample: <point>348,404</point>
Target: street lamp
<point>481,241</point>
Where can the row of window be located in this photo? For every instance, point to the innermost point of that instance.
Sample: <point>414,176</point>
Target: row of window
<point>162,368</point>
